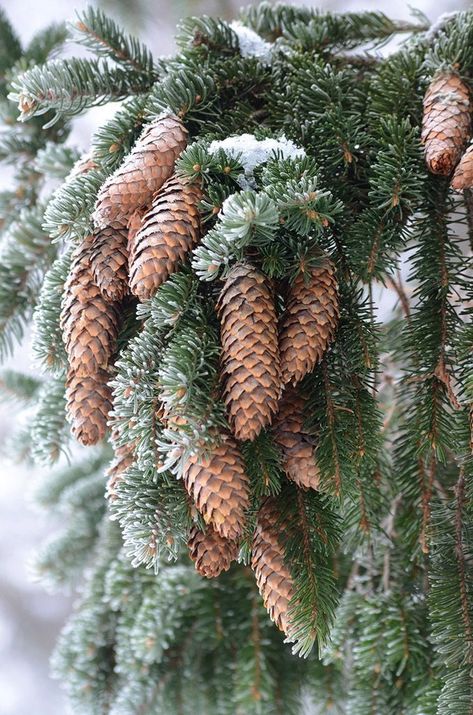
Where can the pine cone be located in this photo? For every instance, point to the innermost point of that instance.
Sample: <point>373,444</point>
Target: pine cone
<point>273,577</point>
<point>109,262</point>
<point>446,124</point>
<point>89,401</point>
<point>298,450</point>
<point>89,323</point>
<point>124,456</point>
<point>210,552</point>
<point>463,176</point>
<point>169,231</point>
<point>309,322</point>
<point>250,357</point>
<point>220,488</point>
<point>142,173</point>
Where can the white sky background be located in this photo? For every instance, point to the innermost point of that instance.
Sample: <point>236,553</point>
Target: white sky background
<point>29,618</point>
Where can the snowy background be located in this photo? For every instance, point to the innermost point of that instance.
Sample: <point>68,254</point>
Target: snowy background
<point>30,619</point>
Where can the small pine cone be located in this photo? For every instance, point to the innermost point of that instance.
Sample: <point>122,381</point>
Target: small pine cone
<point>89,323</point>
<point>220,487</point>
<point>309,322</point>
<point>124,457</point>
<point>250,355</point>
<point>169,231</point>
<point>89,400</point>
<point>142,173</point>
<point>296,444</point>
<point>463,176</point>
<point>273,577</point>
<point>109,261</point>
<point>446,124</point>
<point>210,552</point>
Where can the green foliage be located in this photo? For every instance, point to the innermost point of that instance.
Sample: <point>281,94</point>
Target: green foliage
<point>380,556</point>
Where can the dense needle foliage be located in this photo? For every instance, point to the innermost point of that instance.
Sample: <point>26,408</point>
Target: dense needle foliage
<point>382,556</point>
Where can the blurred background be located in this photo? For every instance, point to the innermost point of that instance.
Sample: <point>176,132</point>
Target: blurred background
<point>30,618</point>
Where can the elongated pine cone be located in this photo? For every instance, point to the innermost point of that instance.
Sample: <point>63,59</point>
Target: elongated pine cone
<point>109,261</point>
<point>143,171</point>
<point>463,176</point>
<point>89,322</point>
<point>273,577</point>
<point>169,231</point>
<point>446,124</point>
<point>309,322</point>
<point>89,400</point>
<point>220,488</point>
<point>296,444</point>
<point>210,552</point>
<point>250,355</point>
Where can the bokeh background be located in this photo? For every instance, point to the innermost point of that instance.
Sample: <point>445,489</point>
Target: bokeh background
<point>30,618</point>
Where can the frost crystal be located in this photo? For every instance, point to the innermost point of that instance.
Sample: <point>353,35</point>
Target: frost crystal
<point>251,44</point>
<point>252,152</point>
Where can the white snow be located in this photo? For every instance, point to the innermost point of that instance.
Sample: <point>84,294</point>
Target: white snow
<point>251,44</point>
<point>252,152</point>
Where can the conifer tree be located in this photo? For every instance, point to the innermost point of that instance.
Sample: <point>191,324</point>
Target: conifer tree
<point>201,289</point>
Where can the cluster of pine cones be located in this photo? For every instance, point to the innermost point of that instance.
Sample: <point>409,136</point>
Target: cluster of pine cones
<point>146,223</point>
<point>446,129</point>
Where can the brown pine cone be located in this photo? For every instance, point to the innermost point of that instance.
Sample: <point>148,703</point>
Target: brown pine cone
<point>123,458</point>
<point>220,487</point>
<point>273,577</point>
<point>89,323</point>
<point>446,124</point>
<point>210,552</point>
<point>296,444</point>
<point>89,401</point>
<point>309,322</point>
<point>463,176</point>
<point>250,356</point>
<point>168,232</point>
<point>143,171</point>
<point>109,262</point>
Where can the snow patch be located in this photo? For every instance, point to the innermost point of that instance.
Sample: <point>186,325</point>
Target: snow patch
<point>251,44</point>
<point>252,152</point>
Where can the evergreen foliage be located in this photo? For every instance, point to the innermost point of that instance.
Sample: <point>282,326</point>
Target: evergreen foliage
<point>305,144</point>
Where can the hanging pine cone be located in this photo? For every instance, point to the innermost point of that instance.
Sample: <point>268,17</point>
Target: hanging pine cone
<point>273,577</point>
<point>446,124</point>
<point>250,357</point>
<point>210,552</point>
<point>124,456</point>
<point>109,262</point>
<point>169,231</point>
<point>296,444</point>
<point>309,322</point>
<point>142,173</point>
<point>220,487</point>
<point>463,176</point>
<point>89,401</point>
<point>89,323</point>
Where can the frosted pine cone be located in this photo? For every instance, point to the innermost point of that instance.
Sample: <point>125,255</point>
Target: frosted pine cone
<point>309,322</point>
<point>273,577</point>
<point>109,262</point>
<point>446,124</point>
<point>168,232</point>
<point>297,447</point>
<point>210,552</point>
<point>142,173</point>
<point>89,401</point>
<point>250,356</point>
<point>220,488</point>
<point>463,176</point>
<point>89,322</point>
